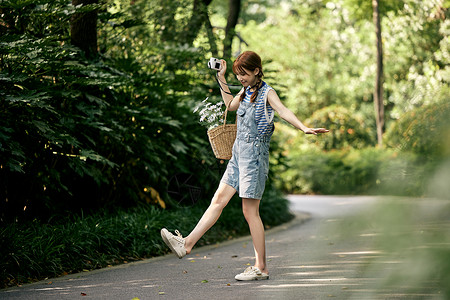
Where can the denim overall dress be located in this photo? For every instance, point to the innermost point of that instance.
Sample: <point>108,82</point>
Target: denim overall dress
<point>248,168</point>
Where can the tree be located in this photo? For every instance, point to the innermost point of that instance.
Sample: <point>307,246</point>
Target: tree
<point>233,16</point>
<point>83,28</point>
<point>360,9</point>
<point>198,18</point>
<point>378,92</point>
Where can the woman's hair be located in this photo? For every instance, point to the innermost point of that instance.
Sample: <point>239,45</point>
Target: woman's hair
<point>251,61</point>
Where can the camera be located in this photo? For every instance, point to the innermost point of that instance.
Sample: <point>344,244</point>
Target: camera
<point>214,64</point>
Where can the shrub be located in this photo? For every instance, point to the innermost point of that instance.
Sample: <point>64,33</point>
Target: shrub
<point>80,133</point>
<point>366,171</point>
<point>424,131</point>
<point>347,128</point>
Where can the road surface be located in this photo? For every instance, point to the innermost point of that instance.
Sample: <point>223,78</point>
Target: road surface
<point>307,259</point>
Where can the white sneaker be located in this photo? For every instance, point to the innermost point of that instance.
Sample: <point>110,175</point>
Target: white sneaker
<point>175,243</point>
<point>252,273</point>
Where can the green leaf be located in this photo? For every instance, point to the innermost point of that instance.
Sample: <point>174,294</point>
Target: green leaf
<point>90,154</point>
<point>179,146</point>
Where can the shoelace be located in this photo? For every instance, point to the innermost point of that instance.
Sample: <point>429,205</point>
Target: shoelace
<point>252,270</point>
<point>179,237</point>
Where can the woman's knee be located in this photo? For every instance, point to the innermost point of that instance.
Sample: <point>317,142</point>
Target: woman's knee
<point>221,198</point>
<point>250,208</point>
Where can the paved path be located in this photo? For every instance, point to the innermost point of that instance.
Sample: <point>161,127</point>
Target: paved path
<point>306,261</point>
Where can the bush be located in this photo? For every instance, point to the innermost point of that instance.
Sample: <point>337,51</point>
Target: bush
<point>424,131</point>
<point>347,128</point>
<point>335,172</point>
<point>366,171</point>
<point>84,133</point>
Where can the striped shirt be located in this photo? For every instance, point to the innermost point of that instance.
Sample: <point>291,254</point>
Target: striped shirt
<point>261,122</point>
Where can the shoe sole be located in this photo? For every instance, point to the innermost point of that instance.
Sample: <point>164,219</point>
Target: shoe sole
<point>254,278</point>
<point>164,232</point>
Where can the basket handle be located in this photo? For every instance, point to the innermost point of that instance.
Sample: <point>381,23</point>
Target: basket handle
<point>225,114</point>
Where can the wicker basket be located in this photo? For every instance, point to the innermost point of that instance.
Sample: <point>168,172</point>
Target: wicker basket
<point>222,138</point>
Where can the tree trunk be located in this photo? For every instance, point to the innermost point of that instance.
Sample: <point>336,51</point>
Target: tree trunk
<point>83,29</point>
<point>211,37</point>
<point>233,15</point>
<point>199,17</point>
<point>378,93</point>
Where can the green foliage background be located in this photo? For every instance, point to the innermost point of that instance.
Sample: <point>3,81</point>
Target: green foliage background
<point>79,133</point>
<point>324,56</point>
<point>91,133</point>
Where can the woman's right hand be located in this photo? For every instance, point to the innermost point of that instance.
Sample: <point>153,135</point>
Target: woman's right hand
<point>223,68</point>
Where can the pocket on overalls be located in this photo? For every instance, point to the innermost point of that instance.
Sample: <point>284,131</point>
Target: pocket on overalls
<point>240,112</point>
<point>243,118</point>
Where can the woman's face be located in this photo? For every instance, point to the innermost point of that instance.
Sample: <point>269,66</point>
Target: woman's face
<point>248,77</point>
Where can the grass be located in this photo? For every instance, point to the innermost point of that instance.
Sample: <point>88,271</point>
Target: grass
<point>35,250</point>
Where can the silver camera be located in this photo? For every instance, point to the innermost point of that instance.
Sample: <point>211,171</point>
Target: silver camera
<point>214,64</point>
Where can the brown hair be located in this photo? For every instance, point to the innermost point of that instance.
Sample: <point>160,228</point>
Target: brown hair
<point>251,61</point>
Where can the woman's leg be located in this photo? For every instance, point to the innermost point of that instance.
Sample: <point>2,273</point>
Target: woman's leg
<point>219,201</point>
<point>250,207</point>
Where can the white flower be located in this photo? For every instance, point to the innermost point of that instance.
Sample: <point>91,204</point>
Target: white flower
<point>211,115</point>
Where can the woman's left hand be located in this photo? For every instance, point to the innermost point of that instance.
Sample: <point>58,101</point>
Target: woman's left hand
<point>315,131</point>
<point>223,68</point>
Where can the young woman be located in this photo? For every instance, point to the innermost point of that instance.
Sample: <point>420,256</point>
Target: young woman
<point>248,167</point>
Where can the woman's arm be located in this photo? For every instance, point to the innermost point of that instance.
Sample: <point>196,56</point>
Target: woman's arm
<point>289,116</point>
<point>225,91</point>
